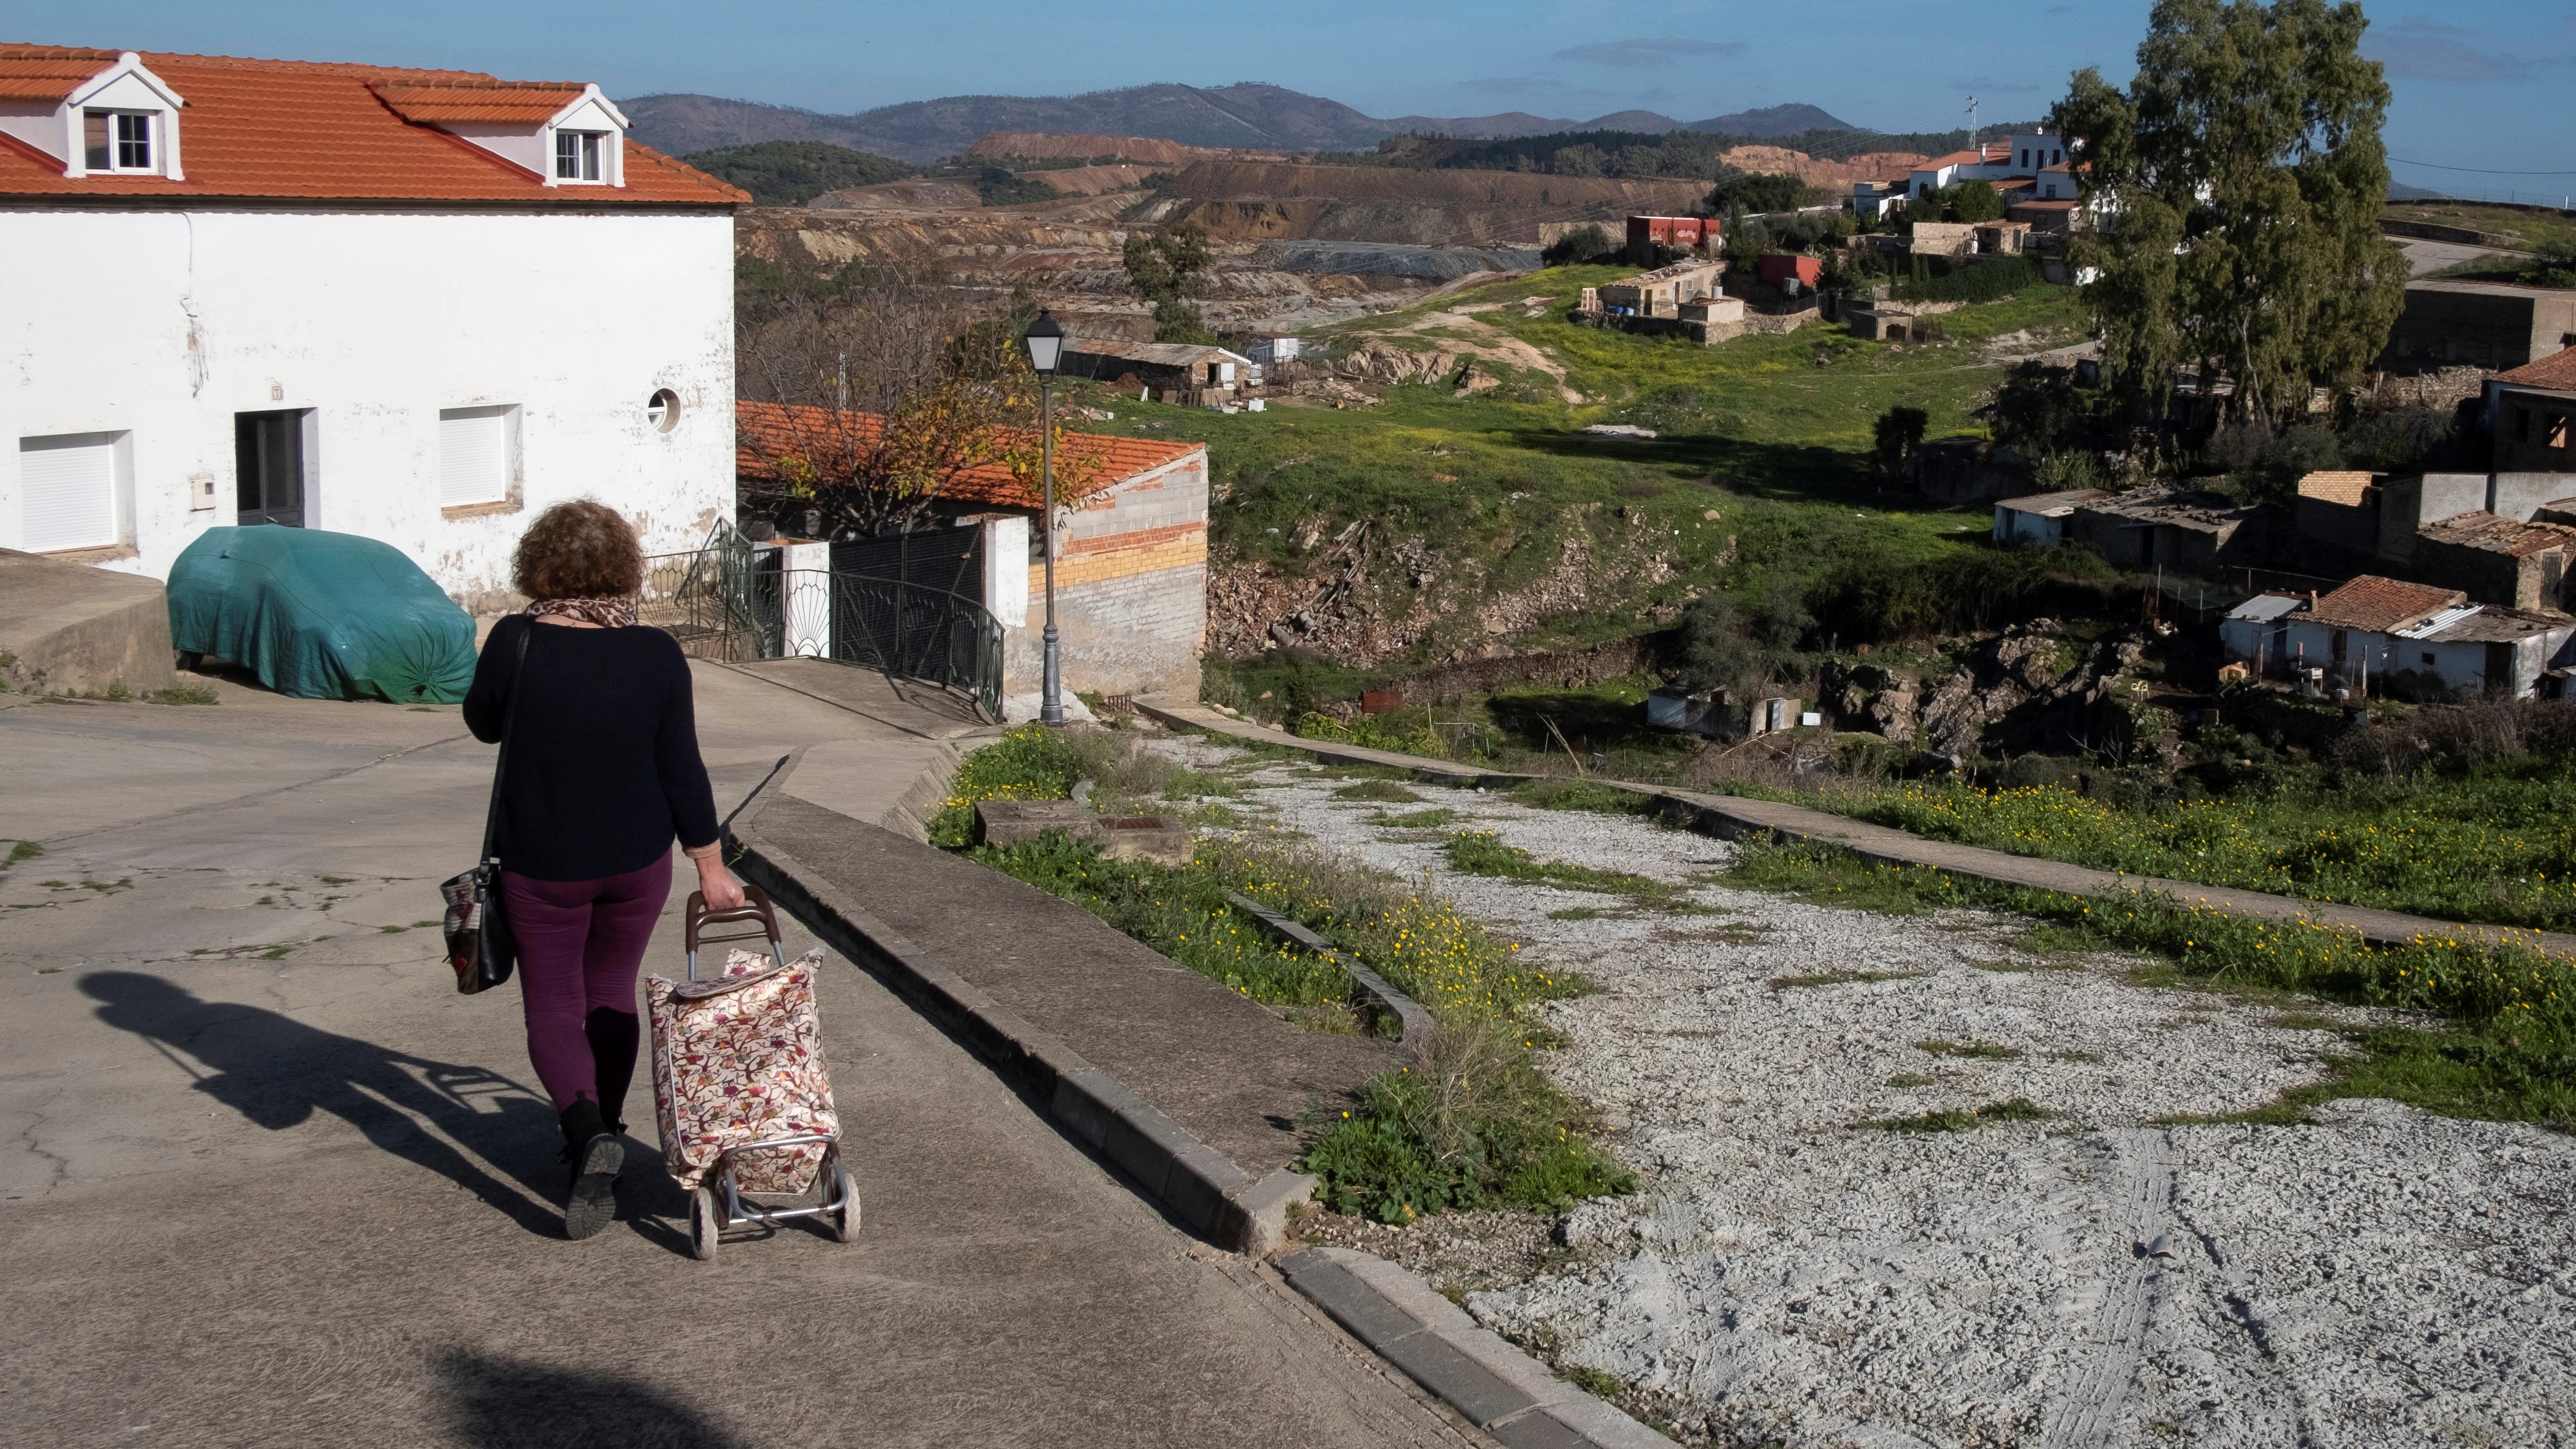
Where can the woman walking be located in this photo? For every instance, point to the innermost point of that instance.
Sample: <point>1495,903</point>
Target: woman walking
<point>602,770</point>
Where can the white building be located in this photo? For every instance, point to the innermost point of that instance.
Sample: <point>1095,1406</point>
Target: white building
<point>414,305</point>
<point>2373,629</point>
<point>2041,518</point>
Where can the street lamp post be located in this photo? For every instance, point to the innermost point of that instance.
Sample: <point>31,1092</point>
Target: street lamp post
<point>1045,341</point>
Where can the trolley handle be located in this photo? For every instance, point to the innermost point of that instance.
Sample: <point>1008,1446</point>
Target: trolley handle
<point>755,908</point>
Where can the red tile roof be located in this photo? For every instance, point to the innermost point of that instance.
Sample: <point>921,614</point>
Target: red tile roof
<point>1955,158</point>
<point>2380,605</point>
<point>766,432</point>
<point>49,75</point>
<point>2508,536</point>
<point>501,102</point>
<point>309,130</point>
<point>2557,372</point>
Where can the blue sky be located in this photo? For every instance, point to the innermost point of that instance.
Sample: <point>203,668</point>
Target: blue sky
<point>2474,81</point>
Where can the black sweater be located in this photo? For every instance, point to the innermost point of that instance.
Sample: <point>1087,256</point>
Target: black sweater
<point>603,763</point>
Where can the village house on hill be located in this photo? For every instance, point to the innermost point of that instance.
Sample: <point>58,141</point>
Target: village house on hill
<point>1131,554</point>
<point>408,304</point>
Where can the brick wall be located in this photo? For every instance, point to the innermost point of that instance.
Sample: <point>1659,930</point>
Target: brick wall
<point>1131,591</point>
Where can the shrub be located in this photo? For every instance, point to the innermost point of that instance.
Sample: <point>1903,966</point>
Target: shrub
<point>1989,280</point>
<point>1028,763</point>
<point>1975,201</point>
<point>1582,246</point>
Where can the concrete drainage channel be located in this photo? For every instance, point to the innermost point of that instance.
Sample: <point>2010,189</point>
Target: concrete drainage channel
<point>1501,1390</point>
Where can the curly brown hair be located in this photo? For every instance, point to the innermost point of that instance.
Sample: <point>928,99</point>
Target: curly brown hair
<point>578,550</point>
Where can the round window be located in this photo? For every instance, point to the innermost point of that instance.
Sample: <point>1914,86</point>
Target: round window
<point>662,410</point>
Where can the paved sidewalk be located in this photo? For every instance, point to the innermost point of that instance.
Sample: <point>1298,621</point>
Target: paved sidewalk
<point>278,1185</point>
<point>1731,815</point>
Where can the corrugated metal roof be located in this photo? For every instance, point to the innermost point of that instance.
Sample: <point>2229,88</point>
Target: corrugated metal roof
<point>2266,606</point>
<point>1158,354</point>
<point>2439,622</point>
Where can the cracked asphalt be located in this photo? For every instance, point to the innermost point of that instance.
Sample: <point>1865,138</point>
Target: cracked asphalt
<point>276,1184</point>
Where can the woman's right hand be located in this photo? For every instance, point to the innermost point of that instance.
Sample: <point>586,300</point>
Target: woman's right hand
<point>722,891</point>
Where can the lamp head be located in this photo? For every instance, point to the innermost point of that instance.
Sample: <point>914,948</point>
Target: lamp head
<point>1045,339</point>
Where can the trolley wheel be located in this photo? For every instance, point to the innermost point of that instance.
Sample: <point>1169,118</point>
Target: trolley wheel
<point>845,1223</point>
<point>706,1223</point>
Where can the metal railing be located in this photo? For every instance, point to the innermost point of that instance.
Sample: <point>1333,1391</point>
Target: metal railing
<point>722,605</point>
<point>699,600</point>
<point>900,629</point>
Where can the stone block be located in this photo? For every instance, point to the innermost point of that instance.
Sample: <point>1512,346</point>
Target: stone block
<point>1014,822</point>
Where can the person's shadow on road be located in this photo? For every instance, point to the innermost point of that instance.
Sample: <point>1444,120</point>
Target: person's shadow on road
<point>276,1071</point>
<point>501,1403</point>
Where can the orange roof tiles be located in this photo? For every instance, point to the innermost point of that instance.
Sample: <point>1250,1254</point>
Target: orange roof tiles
<point>1955,158</point>
<point>49,75</point>
<point>2508,536</point>
<point>2380,605</point>
<point>531,102</point>
<point>305,130</point>
<point>2556,372</point>
<point>766,432</point>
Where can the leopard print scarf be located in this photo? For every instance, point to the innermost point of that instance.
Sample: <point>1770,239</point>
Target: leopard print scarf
<point>606,613</point>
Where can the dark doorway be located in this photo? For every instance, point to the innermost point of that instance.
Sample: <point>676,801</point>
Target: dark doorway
<point>268,461</point>
<point>2500,670</point>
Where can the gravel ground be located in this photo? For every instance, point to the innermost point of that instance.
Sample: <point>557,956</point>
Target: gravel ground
<point>1791,1276</point>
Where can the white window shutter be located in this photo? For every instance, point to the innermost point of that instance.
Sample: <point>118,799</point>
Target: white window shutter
<point>473,457</point>
<point>68,489</point>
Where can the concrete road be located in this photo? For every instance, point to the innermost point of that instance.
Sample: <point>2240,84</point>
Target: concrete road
<point>2425,257</point>
<point>276,1184</point>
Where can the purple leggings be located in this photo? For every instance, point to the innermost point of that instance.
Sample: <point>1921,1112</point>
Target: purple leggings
<point>580,944</point>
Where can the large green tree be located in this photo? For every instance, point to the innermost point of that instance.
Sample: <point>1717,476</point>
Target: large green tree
<point>2240,179</point>
<point>1164,269</point>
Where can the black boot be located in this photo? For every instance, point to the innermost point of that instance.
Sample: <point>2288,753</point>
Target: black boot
<point>595,1154</point>
<point>614,1036</point>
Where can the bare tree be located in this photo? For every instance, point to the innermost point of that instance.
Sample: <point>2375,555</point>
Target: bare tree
<point>893,382</point>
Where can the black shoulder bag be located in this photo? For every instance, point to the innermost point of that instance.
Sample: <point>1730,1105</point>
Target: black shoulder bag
<point>479,943</point>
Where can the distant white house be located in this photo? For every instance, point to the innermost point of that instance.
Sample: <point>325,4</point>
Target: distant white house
<point>414,305</point>
<point>2041,518</point>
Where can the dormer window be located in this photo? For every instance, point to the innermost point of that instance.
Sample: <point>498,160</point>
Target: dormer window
<point>577,155</point>
<point>118,141</point>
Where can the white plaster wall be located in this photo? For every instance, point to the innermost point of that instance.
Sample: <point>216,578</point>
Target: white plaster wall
<point>166,324</point>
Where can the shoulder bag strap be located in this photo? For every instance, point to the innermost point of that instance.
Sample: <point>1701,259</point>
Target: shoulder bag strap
<point>509,718</point>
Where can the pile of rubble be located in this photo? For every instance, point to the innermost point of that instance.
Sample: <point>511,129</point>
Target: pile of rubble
<point>2029,687</point>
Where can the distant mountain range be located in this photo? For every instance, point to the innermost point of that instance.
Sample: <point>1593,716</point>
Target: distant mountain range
<point>1246,115</point>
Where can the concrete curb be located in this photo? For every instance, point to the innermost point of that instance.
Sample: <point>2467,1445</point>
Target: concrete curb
<point>1737,818</point>
<point>1197,1184</point>
<point>1416,1023</point>
<point>1500,1389</point>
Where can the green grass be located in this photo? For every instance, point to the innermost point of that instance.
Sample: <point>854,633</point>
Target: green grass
<point>1431,819</point>
<point>1181,913</point>
<point>2014,1109</point>
<point>1385,792</point>
<point>1482,852</point>
<point>2504,1048</point>
<point>1840,978</point>
<point>2496,846</point>
<point>1475,1123</point>
<point>186,694</point>
<point>2535,231</point>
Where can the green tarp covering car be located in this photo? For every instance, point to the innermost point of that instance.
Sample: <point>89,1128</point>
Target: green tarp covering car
<point>321,615</point>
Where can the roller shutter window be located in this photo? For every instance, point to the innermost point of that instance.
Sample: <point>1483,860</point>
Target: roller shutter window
<point>473,456</point>
<point>67,487</point>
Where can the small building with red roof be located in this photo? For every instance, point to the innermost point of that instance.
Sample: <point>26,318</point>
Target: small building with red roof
<point>2531,414</point>
<point>415,305</point>
<point>1131,572</point>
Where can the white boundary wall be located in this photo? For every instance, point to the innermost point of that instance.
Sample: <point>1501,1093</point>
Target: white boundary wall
<point>164,324</point>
